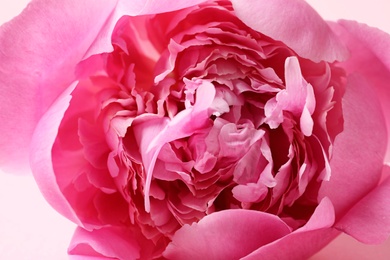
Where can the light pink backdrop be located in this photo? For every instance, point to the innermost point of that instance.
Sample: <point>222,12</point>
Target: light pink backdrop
<point>30,229</point>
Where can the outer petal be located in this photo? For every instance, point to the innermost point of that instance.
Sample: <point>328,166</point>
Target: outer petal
<point>228,234</point>
<point>370,57</point>
<point>105,243</point>
<point>134,8</point>
<point>369,220</point>
<point>359,150</point>
<point>295,23</point>
<point>305,241</point>
<point>39,50</point>
<point>41,156</point>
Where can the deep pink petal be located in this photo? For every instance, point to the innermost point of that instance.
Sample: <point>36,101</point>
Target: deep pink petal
<point>359,150</point>
<point>104,243</point>
<point>39,50</point>
<point>295,23</point>
<point>304,241</point>
<point>370,57</point>
<point>41,156</point>
<point>369,220</point>
<point>228,234</point>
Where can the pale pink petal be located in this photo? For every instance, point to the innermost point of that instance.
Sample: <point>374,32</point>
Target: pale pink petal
<point>138,7</point>
<point>359,150</point>
<point>39,50</point>
<point>369,220</point>
<point>298,98</point>
<point>104,243</point>
<point>295,23</point>
<point>345,247</point>
<point>216,236</point>
<point>304,241</point>
<point>370,56</point>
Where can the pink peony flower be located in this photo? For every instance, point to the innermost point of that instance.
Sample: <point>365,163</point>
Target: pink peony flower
<point>199,129</point>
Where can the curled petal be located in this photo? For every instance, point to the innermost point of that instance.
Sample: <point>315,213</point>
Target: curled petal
<point>183,124</point>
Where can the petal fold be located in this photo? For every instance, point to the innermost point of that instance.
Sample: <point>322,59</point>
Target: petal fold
<point>105,243</point>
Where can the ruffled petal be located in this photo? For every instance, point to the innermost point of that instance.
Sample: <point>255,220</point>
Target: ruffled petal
<point>295,23</point>
<point>39,51</point>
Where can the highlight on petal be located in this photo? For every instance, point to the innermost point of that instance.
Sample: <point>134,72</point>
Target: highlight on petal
<point>216,236</point>
<point>298,98</point>
<point>104,243</point>
<point>295,23</point>
<point>39,50</point>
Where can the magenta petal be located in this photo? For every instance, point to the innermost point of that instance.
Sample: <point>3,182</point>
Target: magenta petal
<point>305,241</point>
<point>228,234</point>
<point>39,50</point>
<point>295,23</point>
<point>359,150</point>
<point>369,220</point>
<point>105,243</point>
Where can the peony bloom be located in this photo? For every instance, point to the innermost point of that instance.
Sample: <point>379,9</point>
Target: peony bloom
<point>210,129</point>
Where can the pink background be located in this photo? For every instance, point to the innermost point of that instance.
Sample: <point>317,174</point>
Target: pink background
<point>30,229</point>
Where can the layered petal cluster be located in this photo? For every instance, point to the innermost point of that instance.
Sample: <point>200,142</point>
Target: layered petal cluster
<point>199,115</point>
<point>213,129</point>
